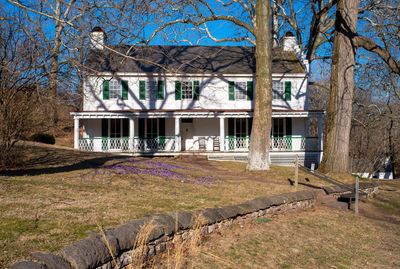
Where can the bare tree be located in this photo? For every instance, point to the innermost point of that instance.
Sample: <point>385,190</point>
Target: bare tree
<point>20,79</point>
<point>52,24</point>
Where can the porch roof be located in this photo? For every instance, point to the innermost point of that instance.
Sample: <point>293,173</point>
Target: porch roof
<point>193,113</point>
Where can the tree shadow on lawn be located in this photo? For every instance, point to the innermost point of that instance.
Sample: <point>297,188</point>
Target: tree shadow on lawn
<point>47,160</point>
<point>85,164</point>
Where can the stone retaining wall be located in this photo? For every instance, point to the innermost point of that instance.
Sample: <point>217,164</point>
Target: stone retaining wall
<point>368,187</point>
<point>98,251</point>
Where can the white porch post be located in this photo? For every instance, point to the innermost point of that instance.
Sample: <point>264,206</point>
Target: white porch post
<point>76,133</point>
<point>222,134</point>
<point>177,135</point>
<point>131,133</point>
<point>320,138</point>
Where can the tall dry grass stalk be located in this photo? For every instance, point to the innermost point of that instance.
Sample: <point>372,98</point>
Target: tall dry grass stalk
<point>195,237</point>
<point>110,250</point>
<point>140,248</point>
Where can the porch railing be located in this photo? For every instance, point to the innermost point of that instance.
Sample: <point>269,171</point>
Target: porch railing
<point>165,143</point>
<point>287,143</point>
<point>161,143</point>
<point>126,144</point>
<point>234,143</point>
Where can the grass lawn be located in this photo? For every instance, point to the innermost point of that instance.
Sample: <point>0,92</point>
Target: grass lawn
<point>58,195</point>
<point>320,237</point>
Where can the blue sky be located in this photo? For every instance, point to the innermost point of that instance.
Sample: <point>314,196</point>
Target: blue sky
<point>320,69</point>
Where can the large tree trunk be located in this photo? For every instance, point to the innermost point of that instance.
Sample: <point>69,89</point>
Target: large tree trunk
<point>337,135</point>
<point>260,134</point>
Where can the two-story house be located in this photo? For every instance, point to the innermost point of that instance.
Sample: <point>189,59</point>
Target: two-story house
<point>174,99</point>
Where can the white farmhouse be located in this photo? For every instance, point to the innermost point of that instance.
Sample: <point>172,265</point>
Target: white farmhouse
<point>175,99</point>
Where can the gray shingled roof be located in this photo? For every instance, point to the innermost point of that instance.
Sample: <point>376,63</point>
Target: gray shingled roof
<point>187,59</point>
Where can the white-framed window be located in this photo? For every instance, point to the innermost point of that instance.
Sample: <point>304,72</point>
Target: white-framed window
<point>278,91</point>
<point>151,90</point>
<point>241,90</point>
<point>187,89</point>
<point>152,128</point>
<point>115,89</point>
<point>278,127</point>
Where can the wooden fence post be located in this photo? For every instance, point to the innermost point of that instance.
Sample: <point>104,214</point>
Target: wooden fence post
<point>296,171</point>
<point>356,194</point>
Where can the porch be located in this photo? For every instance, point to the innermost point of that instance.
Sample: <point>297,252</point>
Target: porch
<point>192,132</point>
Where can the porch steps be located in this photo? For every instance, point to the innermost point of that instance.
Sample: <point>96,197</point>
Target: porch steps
<point>230,157</point>
<point>277,158</point>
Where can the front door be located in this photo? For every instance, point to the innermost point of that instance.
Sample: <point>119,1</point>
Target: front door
<point>187,134</point>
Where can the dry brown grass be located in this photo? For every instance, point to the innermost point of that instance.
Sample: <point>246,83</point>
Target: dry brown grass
<point>58,195</point>
<point>321,237</point>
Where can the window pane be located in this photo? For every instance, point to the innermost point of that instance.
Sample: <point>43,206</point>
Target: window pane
<point>152,90</point>
<point>151,128</point>
<point>115,89</point>
<point>240,127</point>
<point>115,128</point>
<point>277,90</point>
<point>278,128</point>
<point>241,90</point>
<point>187,90</point>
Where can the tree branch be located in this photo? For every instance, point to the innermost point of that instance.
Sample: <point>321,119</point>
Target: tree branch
<point>368,44</point>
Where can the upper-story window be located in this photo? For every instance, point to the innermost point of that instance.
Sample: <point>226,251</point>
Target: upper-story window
<point>187,90</point>
<point>242,90</point>
<point>277,89</point>
<point>151,90</point>
<point>115,89</point>
<point>281,90</point>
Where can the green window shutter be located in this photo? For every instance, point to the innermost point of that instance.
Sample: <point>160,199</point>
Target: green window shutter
<point>196,90</point>
<point>142,90</point>
<point>231,90</point>
<point>249,90</point>
<point>124,90</point>
<point>288,90</point>
<point>178,89</point>
<point>289,140</point>
<point>160,90</point>
<point>106,90</point>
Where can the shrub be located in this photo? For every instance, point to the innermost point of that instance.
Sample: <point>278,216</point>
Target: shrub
<point>43,138</point>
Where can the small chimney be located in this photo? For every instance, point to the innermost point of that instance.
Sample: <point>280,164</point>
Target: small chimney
<point>97,38</point>
<point>288,42</point>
